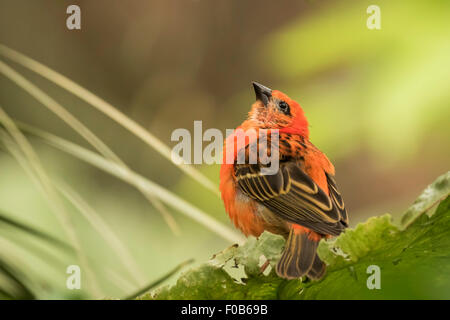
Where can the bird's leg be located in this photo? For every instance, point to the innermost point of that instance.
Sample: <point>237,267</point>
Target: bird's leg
<point>265,265</point>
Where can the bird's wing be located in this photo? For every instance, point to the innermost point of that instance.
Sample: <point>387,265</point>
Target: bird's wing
<point>294,196</point>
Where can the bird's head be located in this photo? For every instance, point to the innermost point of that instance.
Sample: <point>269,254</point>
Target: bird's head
<point>275,110</point>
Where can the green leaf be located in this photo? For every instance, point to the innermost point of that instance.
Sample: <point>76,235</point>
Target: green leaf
<point>432,195</point>
<point>414,261</point>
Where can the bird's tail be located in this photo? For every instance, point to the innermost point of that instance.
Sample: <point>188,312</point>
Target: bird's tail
<point>299,257</point>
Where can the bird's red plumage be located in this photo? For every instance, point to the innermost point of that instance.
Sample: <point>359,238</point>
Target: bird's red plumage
<point>246,212</point>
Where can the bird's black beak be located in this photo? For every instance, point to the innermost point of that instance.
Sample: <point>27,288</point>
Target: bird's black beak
<point>262,93</point>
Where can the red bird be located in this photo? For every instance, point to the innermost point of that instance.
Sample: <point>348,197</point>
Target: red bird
<point>300,201</point>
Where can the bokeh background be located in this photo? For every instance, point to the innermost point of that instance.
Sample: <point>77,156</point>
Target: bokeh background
<point>378,103</point>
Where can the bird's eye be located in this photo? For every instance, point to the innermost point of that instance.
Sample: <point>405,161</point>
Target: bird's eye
<point>284,107</point>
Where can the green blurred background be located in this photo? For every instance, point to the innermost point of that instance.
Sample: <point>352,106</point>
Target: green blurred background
<point>378,103</point>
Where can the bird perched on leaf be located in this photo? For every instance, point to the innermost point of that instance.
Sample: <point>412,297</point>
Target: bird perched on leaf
<point>300,201</point>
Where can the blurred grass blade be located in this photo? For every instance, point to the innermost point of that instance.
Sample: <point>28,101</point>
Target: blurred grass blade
<point>118,280</point>
<point>13,284</point>
<point>57,109</point>
<point>16,277</point>
<point>8,221</point>
<point>16,286</point>
<point>46,185</point>
<point>107,109</point>
<point>103,230</point>
<point>138,181</point>
<point>81,129</point>
<point>160,280</point>
<point>52,259</point>
<point>54,204</point>
<point>160,208</point>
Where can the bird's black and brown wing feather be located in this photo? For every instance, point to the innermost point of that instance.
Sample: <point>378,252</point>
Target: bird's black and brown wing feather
<point>294,196</point>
